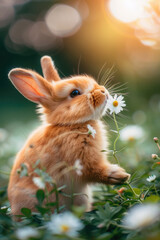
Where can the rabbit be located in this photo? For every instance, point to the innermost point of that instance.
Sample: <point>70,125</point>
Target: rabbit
<point>69,107</point>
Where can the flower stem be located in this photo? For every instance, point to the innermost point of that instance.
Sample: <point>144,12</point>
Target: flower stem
<point>114,155</point>
<point>158,146</point>
<point>115,141</point>
<point>132,190</point>
<point>57,198</point>
<point>135,194</point>
<point>72,193</point>
<point>145,194</point>
<point>155,189</point>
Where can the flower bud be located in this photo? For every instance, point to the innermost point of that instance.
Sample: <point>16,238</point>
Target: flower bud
<point>154,156</point>
<point>101,225</point>
<point>121,190</point>
<point>156,139</point>
<point>142,196</point>
<point>158,163</point>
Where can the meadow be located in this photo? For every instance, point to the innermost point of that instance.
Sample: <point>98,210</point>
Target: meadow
<point>128,211</point>
<point>119,45</point>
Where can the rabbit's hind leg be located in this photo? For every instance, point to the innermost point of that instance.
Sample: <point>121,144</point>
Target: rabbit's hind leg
<point>22,198</point>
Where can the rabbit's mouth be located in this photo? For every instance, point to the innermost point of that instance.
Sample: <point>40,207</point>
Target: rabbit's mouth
<point>104,106</point>
<point>98,97</point>
<point>100,110</point>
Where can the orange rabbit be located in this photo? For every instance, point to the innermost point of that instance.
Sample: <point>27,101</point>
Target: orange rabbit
<point>69,107</point>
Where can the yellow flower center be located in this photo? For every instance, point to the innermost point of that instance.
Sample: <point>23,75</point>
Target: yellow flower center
<point>131,139</point>
<point>64,228</point>
<point>115,103</point>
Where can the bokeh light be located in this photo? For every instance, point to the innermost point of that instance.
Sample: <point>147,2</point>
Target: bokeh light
<point>148,42</point>
<point>141,15</point>
<point>32,34</point>
<point>14,2</point>
<point>82,8</point>
<point>18,29</point>
<point>63,20</point>
<point>7,13</point>
<point>127,10</point>
<point>40,38</point>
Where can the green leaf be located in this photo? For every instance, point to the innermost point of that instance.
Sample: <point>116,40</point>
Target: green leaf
<point>115,211</point>
<point>24,170</point>
<point>62,187</point>
<point>78,210</point>
<point>26,212</point>
<point>133,175</point>
<point>137,191</point>
<point>3,210</point>
<point>42,210</point>
<point>115,131</point>
<point>98,203</point>
<point>110,151</point>
<point>40,195</point>
<point>105,236</point>
<point>3,192</point>
<point>38,171</point>
<point>36,164</point>
<point>155,165</point>
<point>51,204</point>
<point>152,198</point>
<point>128,194</point>
<point>52,191</point>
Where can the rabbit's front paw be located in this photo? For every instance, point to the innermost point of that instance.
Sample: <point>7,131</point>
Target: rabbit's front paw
<point>117,175</point>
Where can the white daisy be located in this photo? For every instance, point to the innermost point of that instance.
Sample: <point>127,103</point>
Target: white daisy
<point>131,133</point>
<point>141,216</point>
<point>151,178</point>
<point>78,167</point>
<point>66,224</point>
<point>26,233</point>
<point>91,130</point>
<point>115,104</point>
<point>39,182</point>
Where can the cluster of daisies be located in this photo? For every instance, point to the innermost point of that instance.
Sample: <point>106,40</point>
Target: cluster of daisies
<point>67,224</point>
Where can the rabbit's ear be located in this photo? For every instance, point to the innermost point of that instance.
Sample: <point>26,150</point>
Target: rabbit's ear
<point>31,85</point>
<point>49,71</point>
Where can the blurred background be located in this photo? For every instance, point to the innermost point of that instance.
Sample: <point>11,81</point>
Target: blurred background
<point>82,36</point>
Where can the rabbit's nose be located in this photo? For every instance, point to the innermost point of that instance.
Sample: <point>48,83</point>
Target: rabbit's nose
<point>103,91</point>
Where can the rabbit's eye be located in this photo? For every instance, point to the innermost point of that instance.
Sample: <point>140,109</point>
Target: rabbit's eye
<point>74,93</point>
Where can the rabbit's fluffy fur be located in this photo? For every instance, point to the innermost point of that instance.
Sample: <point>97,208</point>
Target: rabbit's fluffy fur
<point>63,137</point>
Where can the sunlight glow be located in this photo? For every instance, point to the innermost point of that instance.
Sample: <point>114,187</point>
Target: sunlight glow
<point>148,42</point>
<point>149,25</point>
<point>141,15</point>
<point>127,10</point>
